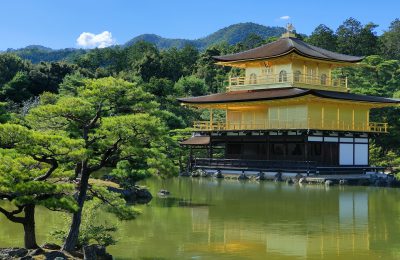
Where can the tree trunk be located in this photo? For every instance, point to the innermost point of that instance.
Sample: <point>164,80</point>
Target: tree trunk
<point>72,238</point>
<point>29,227</point>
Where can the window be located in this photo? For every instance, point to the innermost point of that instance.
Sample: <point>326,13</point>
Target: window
<point>311,76</point>
<point>282,76</point>
<point>323,79</point>
<point>267,71</point>
<point>297,76</point>
<point>253,78</point>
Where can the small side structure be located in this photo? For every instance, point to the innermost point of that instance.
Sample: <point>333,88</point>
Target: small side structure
<point>287,113</point>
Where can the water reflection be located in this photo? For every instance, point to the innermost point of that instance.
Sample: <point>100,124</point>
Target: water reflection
<point>252,220</point>
<point>213,219</point>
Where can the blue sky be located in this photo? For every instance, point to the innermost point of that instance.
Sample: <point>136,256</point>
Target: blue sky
<point>59,23</point>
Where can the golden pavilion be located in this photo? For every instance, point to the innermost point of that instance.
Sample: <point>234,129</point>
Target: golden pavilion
<point>289,112</point>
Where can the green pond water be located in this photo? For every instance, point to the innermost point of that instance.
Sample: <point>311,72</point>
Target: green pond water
<point>212,219</point>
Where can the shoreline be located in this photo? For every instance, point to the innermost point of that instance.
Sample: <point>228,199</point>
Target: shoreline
<point>368,179</point>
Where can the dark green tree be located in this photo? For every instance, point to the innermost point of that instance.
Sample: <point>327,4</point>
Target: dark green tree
<point>116,121</point>
<point>31,160</point>
<point>213,75</point>
<point>17,89</point>
<point>10,64</point>
<point>355,39</point>
<point>390,41</point>
<point>323,37</point>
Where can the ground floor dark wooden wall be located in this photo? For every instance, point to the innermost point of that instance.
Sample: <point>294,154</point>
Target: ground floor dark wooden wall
<point>278,147</point>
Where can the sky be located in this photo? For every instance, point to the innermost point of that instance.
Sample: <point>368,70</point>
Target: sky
<point>100,23</point>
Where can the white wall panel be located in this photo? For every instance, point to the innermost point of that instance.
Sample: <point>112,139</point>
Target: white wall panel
<point>315,138</point>
<point>361,154</point>
<point>346,154</point>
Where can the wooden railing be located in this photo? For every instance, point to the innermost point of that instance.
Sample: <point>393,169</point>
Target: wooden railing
<point>302,166</point>
<point>309,81</point>
<point>294,124</point>
<point>312,167</point>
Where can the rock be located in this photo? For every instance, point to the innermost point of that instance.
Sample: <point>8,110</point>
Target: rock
<point>390,182</point>
<point>136,194</point>
<point>96,252</point>
<point>196,173</point>
<point>343,182</point>
<point>218,175</point>
<point>289,181</point>
<point>184,174</point>
<point>364,182</point>
<point>328,183</point>
<point>37,251</point>
<point>379,183</point>
<point>77,254</point>
<point>142,195</point>
<point>27,257</point>
<point>52,255</point>
<point>163,193</point>
<point>51,246</point>
<point>302,180</point>
<point>278,177</point>
<point>205,174</point>
<point>260,176</point>
<point>298,176</point>
<point>14,252</point>
<point>242,177</point>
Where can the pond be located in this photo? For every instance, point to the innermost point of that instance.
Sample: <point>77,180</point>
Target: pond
<point>214,219</point>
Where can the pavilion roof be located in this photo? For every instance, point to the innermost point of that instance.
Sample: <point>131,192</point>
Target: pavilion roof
<point>281,93</point>
<point>284,46</point>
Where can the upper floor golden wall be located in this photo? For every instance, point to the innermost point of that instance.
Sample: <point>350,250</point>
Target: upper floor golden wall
<point>292,71</point>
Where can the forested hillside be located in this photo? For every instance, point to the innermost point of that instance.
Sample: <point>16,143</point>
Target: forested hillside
<point>37,53</point>
<point>167,73</point>
<point>232,34</point>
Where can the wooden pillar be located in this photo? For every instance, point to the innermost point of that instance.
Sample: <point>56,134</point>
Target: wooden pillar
<point>226,119</point>
<point>226,146</point>
<point>190,159</point>
<point>211,118</point>
<point>338,117</point>
<point>210,149</point>
<point>268,144</point>
<point>306,157</point>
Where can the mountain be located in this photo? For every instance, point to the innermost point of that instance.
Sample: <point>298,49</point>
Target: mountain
<point>160,42</point>
<point>231,34</point>
<point>38,53</point>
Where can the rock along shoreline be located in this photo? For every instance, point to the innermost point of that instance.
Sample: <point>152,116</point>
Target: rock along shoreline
<point>381,180</point>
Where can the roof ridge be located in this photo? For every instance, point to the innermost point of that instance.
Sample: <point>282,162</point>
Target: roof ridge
<point>291,42</point>
<point>282,47</point>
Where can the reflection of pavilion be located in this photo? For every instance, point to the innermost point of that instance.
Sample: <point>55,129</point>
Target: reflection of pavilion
<point>337,228</point>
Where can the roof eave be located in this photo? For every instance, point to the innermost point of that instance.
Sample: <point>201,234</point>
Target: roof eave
<point>220,61</point>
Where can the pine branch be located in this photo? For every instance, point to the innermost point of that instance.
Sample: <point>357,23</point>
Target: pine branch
<point>10,215</point>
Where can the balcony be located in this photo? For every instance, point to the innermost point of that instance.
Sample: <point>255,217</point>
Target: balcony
<point>291,125</point>
<point>287,80</point>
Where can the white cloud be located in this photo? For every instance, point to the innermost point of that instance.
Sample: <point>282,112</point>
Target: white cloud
<point>91,40</point>
<point>285,17</point>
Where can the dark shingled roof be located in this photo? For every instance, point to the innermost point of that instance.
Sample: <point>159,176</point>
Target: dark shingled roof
<point>285,46</point>
<point>281,93</point>
<point>197,140</point>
